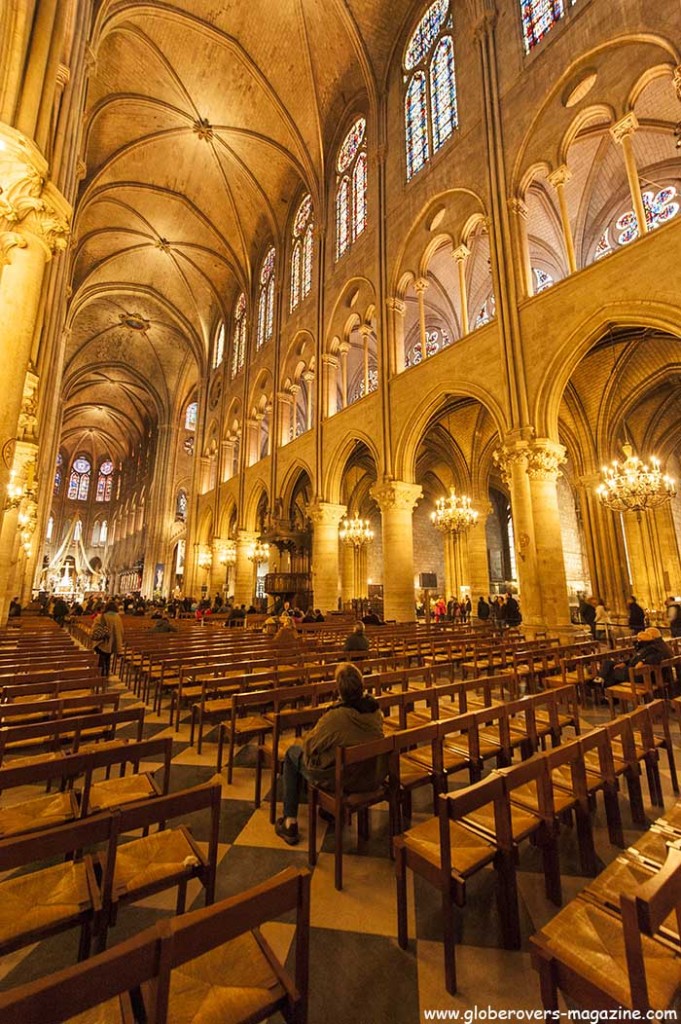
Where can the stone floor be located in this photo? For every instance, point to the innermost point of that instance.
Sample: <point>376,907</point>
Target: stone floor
<point>358,973</point>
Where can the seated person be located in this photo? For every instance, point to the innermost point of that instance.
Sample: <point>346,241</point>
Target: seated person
<point>358,642</point>
<point>650,650</point>
<point>163,625</point>
<point>309,616</point>
<point>286,640</point>
<point>372,619</point>
<point>318,617</point>
<point>354,719</point>
<point>270,625</point>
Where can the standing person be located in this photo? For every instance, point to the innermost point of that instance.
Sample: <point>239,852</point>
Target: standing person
<point>510,612</point>
<point>673,616</point>
<point>637,617</point>
<point>60,611</point>
<point>468,605</point>
<point>601,620</point>
<point>484,609</point>
<point>355,718</point>
<point>107,632</point>
<point>440,609</point>
<point>587,613</point>
<point>14,608</point>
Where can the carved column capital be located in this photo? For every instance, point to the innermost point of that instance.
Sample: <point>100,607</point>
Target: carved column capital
<point>544,460</point>
<point>677,81</point>
<point>624,128</point>
<point>330,360</point>
<point>28,203</point>
<point>420,285</point>
<point>396,494</point>
<point>560,176</point>
<point>27,429</point>
<point>325,513</point>
<point>396,305</point>
<point>461,253</point>
<point>518,207</point>
<point>8,241</point>
<point>510,454</point>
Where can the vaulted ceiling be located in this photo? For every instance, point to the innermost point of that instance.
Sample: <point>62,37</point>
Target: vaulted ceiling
<point>204,122</point>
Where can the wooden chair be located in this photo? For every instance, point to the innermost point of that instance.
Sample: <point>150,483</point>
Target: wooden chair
<point>103,795</point>
<point>446,851</point>
<point>346,799</point>
<point>55,898</point>
<point>242,727</point>
<point>287,727</point>
<point>602,960</point>
<point>600,777</point>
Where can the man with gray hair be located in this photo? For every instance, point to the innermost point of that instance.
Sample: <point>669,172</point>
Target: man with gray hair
<point>354,718</point>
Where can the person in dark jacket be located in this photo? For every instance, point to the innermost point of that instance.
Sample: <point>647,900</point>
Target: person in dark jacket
<point>587,613</point>
<point>637,617</point>
<point>355,718</point>
<point>357,644</point>
<point>60,611</point>
<point>510,612</point>
<point>483,609</point>
<point>650,650</point>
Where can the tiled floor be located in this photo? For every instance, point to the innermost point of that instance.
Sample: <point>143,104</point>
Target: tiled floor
<point>358,973</point>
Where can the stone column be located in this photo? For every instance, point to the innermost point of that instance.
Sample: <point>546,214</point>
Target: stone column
<point>286,405</point>
<point>344,349</point>
<point>519,213</point>
<point>397,500</point>
<point>605,548</point>
<point>228,458</point>
<point>668,548</point>
<point>18,525</point>
<point>325,553</point>
<point>461,254</point>
<point>512,460</point>
<point>365,334</point>
<point>622,133</point>
<point>396,309</point>
<point>544,458</point>
<point>330,382</point>
<point>478,563</point>
<point>420,286</point>
<point>347,573</point>
<point>559,179</point>
<point>244,570</point>
<point>308,377</point>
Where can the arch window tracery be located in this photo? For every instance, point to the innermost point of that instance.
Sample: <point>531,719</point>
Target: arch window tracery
<point>487,312</point>
<point>659,207</point>
<point>191,415</point>
<point>104,481</point>
<point>239,340</point>
<point>58,473</point>
<point>219,346</point>
<point>266,302</point>
<point>79,480</point>
<point>539,16</point>
<point>542,280</point>
<point>430,105</point>
<point>351,187</point>
<point>301,256</point>
<point>437,338</point>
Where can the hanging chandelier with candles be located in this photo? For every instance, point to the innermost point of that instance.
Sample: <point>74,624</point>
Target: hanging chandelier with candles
<point>228,554</point>
<point>454,513</point>
<point>259,553</point>
<point>634,485</point>
<point>355,531</point>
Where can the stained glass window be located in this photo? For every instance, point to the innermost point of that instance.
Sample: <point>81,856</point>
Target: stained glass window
<point>430,110</point>
<point>359,193</point>
<point>302,216</point>
<point>50,529</point>
<point>296,260</point>
<point>436,339</point>
<point>79,480</point>
<point>104,481</point>
<point>104,532</point>
<point>659,207</point>
<point>351,187</point>
<point>219,350</point>
<point>542,280</point>
<point>487,312</point>
<point>191,415</point>
<point>239,340</point>
<point>351,144</point>
<point>266,304</point>
<point>342,217</point>
<point>443,92</point>
<point>78,530</point>
<point>539,17</point>
<point>416,119</point>
<point>58,473</point>
<point>358,390</point>
<point>308,242</point>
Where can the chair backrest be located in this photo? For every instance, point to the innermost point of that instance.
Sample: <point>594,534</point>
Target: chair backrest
<point>455,806</point>
<point>362,767</point>
<point>34,847</point>
<point>127,753</point>
<point>644,910</point>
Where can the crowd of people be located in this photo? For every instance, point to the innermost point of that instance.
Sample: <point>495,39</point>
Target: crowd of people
<point>501,609</point>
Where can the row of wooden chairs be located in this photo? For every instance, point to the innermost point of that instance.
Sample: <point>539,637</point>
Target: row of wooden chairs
<point>218,955</point>
<point>631,915</point>
<point>36,739</point>
<point>87,890</point>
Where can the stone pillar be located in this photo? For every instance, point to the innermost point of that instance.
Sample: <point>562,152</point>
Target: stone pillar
<point>519,213</point>
<point>308,377</point>
<point>420,288</point>
<point>396,309</point>
<point>18,526</point>
<point>325,553</point>
<point>286,404</point>
<point>344,349</point>
<point>559,179</point>
<point>330,383</point>
<point>228,458</point>
<point>461,254</point>
<point>478,563</point>
<point>347,573</point>
<point>544,458</point>
<point>605,548</point>
<point>244,570</point>
<point>365,334</point>
<point>512,460</point>
<point>397,500</point>
<point>667,548</point>
<point>622,133</point>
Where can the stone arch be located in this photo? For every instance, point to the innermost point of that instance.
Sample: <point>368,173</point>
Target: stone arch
<point>337,461</point>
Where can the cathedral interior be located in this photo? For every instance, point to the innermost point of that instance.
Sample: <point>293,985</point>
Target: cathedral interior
<point>284,285</point>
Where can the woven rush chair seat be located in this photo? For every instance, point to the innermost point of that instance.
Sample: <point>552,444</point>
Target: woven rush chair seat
<point>232,983</point>
<point>526,796</point>
<point>591,941</point>
<point>113,1011</point>
<point>469,850</point>
<point>42,812</point>
<point>452,760</point>
<point>116,792</point>
<point>52,896</point>
<point>623,875</point>
<point>285,743</point>
<point>652,846</point>
<point>24,759</point>
<point>166,856</point>
<point>252,724</point>
<point>488,745</point>
<point>523,822</point>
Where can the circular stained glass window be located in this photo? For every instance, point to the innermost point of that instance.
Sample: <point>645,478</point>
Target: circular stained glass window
<point>353,140</point>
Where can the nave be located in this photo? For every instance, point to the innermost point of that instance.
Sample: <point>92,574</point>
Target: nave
<point>357,969</point>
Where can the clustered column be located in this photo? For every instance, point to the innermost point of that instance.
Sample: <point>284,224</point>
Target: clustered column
<point>325,518</point>
<point>397,500</point>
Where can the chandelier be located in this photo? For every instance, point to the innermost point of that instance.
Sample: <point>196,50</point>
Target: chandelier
<point>205,559</point>
<point>633,485</point>
<point>355,531</point>
<point>454,514</point>
<point>228,554</point>
<point>259,553</point>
